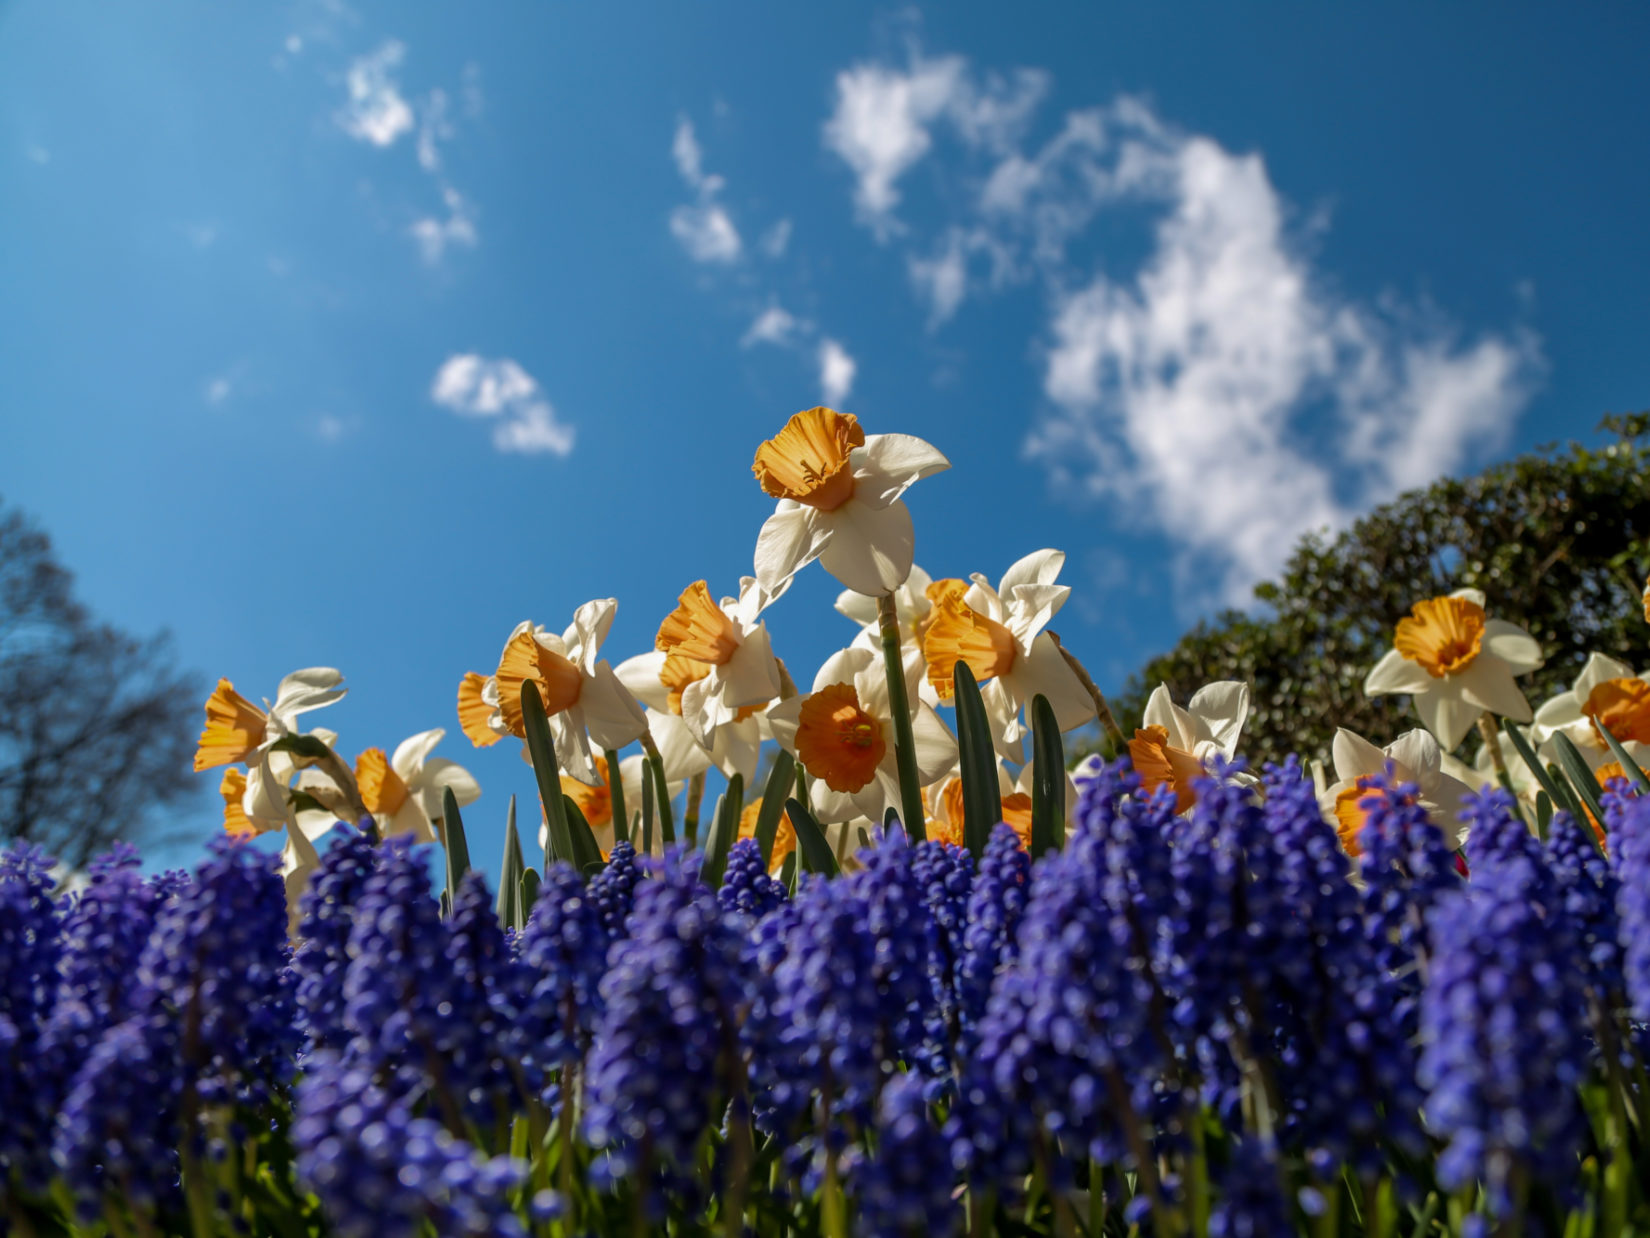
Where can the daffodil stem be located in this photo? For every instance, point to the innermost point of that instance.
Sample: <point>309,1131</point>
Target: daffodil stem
<point>615,789</point>
<point>899,705</point>
<point>1492,744</point>
<point>661,789</point>
<point>690,811</point>
<point>334,768</point>
<point>1101,709</point>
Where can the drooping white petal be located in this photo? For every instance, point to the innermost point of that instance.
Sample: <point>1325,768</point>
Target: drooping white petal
<point>640,676</point>
<point>441,775</point>
<point>1030,607</point>
<point>1417,754</point>
<point>1354,756</point>
<point>411,819</point>
<point>572,742</point>
<point>1446,715</point>
<point>1159,709</point>
<point>680,753</point>
<point>1047,672</point>
<point>845,665</point>
<point>1475,596</point>
<point>1040,567</point>
<point>791,538</point>
<point>738,748</point>
<point>1396,673</point>
<point>1513,645</point>
<point>856,606</point>
<point>1221,708</point>
<point>750,676</point>
<point>1002,712</point>
<point>1488,684</point>
<point>888,464</point>
<point>611,713</point>
<point>411,752</point>
<point>934,745</point>
<point>782,721</point>
<point>870,548</point>
<point>589,629</point>
<point>1599,668</point>
<point>1450,794</point>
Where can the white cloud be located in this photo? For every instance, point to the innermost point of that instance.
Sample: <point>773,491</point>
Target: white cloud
<point>376,112</point>
<point>1233,400</point>
<point>704,229</point>
<point>942,280</point>
<point>836,372</point>
<point>434,235</point>
<point>216,390</point>
<point>35,153</point>
<point>434,128</point>
<point>475,386</point>
<point>706,232</point>
<point>774,325</point>
<point>883,120</point>
<point>776,239</point>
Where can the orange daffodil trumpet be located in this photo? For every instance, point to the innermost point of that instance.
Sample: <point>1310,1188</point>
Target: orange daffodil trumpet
<point>740,674</point>
<point>1458,664</point>
<point>1416,758</point>
<point>404,792</point>
<point>999,634</point>
<point>843,734</point>
<point>583,698</point>
<point>1606,694</point>
<point>1174,747</point>
<point>237,730</point>
<point>839,501</point>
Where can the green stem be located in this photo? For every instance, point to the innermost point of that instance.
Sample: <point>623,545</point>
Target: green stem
<point>564,1140</point>
<point>615,791</point>
<point>905,748</point>
<point>661,791</point>
<point>690,813</point>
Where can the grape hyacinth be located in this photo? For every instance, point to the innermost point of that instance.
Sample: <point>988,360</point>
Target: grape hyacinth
<point>322,956</point>
<point>996,904</point>
<point>1628,818</point>
<point>904,1189</point>
<point>563,953</point>
<point>613,890</point>
<point>747,888</point>
<point>29,951</point>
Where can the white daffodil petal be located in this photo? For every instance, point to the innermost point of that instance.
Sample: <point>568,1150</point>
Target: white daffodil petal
<point>1030,607</point>
<point>442,775</point>
<point>1488,684</point>
<point>782,721</point>
<point>411,752</point>
<point>640,676</point>
<point>830,807</point>
<point>1447,716</point>
<point>1558,714</point>
<point>1040,567</point>
<point>1417,755</point>
<point>1047,672</point>
<point>682,755</point>
<point>1513,645</point>
<point>1221,708</point>
<point>572,743</point>
<point>408,819</point>
<point>1475,596</point>
<point>889,464</point>
<point>611,713</point>
<point>934,745</point>
<point>1002,712</point>
<point>791,538</point>
<point>1396,673</point>
<point>845,665</point>
<point>856,606</point>
<point>1159,709</point>
<point>1599,669</point>
<point>1354,756</point>
<point>737,749</point>
<point>703,710</point>
<point>751,676</point>
<point>870,548</point>
<point>1450,794</point>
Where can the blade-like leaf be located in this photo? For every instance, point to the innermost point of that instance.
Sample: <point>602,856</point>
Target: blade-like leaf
<point>1048,780</point>
<point>558,844</point>
<point>661,802</point>
<point>586,851</point>
<point>529,893</point>
<point>510,868</point>
<point>717,841</point>
<point>1581,778</point>
<point>458,847</point>
<point>306,746</point>
<point>1635,773</point>
<point>1521,745</point>
<point>647,808</point>
<point>615,785</point>
<point>1543,813</point>
<point>977,764</point>
<point>810,840</point>
<point>774,794</point>
<point>788,872</point>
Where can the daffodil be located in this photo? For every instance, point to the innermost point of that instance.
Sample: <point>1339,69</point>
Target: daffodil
<point>915,607</point>
<point>784,834</point>
<point>1458,664</point>
<point>267,800</point>
<point>1482,772</point>
<point>730,643</point>
<point>945,805</point>
<point>658,682</point>
<point>1606,694</point>
<point>404,793</point>
<point>843,733</point>
<point>237,730</point>
<point>478,713</point>
<point>839,501</point>
<point>582,696</point>
<point>999,634</point>
<point>1174,747</point>
<point>1416,758</point>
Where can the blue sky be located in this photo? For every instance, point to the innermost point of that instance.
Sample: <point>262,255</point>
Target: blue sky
<point>354,334</point>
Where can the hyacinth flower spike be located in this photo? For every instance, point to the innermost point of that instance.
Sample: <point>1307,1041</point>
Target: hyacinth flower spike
<point>1000,634</point>
<point>1458,664</point>
<point>839,501</point>
<point>843,734</point>
<point>1607,694</point>
<point>1178,747</point>
<point>1415,757</point>
<point>583,698</point>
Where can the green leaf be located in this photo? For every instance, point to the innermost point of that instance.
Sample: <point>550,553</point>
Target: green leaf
<point>982,801</point>
<point>661,801</point>
<point>647,807</point>
<point>446,905</point>
<point>1566,799</point>
<point>510,913</point>
<point>788,873</point>
<point>1543,813</point>
<point>558,843</point>
<point>529,892</point>
<point>458,847</point>
<point>774,794</point>
<point>586,851</point>
<point>1581,778</point>
<point>303,801</point>
<point>1048,780</point>
<point>615,789</point>
<point>306,746</point>
<point>863,837</point>
<point>1526,754</point>
<point>810,840</point>
<point>724,828</point>
<point>1629,766</point>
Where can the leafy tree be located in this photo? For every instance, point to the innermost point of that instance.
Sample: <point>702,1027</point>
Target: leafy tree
<point>95,725</point>
<point>1558,540</point>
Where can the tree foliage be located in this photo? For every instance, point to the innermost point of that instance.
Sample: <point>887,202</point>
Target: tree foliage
<point>1558,540</point>
<point>95,724</point>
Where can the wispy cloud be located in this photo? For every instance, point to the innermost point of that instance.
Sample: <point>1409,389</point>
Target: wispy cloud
<point>777,239</point>
<point>704,228</point>
<point>500,389</point>
<point>376,111</point>
<point>1224,392</point>
<point>774,325</point>
<point>836,372</point>
<point>435,234</point>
